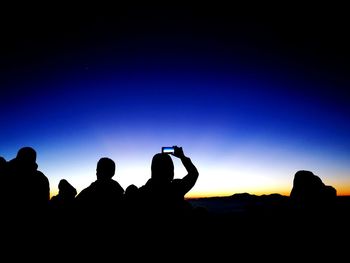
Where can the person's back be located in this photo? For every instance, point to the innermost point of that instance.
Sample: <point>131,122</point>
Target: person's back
<point>163,195</point>
<point>29,188</point>
<point>104,196</point>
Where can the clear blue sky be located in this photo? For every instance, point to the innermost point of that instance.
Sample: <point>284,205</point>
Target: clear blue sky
<point>251,100</point>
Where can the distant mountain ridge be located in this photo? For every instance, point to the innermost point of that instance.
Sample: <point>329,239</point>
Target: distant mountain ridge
<point>238,202</point>
<point>246,202</point>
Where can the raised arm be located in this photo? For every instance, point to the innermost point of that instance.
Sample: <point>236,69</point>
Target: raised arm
<point>190,179</point>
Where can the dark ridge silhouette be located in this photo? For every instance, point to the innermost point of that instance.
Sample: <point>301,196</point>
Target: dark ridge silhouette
<point>3,182</point>
<point>2,164</point>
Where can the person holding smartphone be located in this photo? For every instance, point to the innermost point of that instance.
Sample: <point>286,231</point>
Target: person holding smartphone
<point>162,195</point>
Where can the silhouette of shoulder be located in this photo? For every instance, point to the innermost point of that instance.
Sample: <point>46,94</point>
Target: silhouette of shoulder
<point>101,189</point>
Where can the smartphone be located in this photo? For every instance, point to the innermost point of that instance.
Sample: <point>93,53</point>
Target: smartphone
<point>168,150</point>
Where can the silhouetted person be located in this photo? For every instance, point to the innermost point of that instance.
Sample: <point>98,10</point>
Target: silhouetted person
<point>28,188</point>
<point>162,195</point>
<point>131,201</point>
<point>62,205</point>
<point>103,197</point>
<point>131,191</point>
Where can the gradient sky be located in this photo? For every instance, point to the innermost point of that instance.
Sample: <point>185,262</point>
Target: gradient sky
<point>251,97</point>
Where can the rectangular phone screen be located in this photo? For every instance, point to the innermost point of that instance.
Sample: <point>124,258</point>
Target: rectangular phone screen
<point>167,149</point>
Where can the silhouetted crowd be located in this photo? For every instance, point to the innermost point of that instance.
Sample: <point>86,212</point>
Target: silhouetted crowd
<point>25,193</point>
<point>156,215</point>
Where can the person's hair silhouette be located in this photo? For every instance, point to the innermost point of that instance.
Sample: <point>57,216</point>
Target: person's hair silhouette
<point>131,202</point>
<point>162,194</point>
<point>65,197</point>
<point>63,205</point>
<point>66,190</point>
<point>162,168</point>
<point>104,196</point>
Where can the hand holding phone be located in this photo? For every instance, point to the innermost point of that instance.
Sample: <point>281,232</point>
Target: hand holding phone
<point>178,152</point>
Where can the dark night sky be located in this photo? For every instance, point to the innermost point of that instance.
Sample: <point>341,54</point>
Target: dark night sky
<point>310,39</point>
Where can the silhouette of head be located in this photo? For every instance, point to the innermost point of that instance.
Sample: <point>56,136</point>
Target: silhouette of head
<point>26,154</point>
<point>105,168</point>
<point>162,168</point>
<point>131,190</point>
<point>66,188</point>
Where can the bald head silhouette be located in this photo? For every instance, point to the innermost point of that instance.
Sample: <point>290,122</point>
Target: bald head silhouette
<point>105,168</point>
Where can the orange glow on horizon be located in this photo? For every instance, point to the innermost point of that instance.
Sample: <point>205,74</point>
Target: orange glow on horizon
<point>341,191</point>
